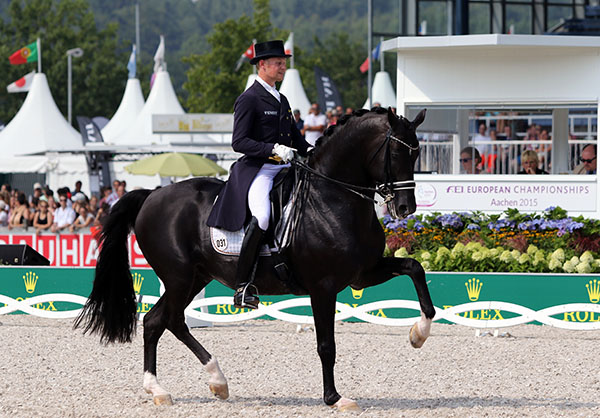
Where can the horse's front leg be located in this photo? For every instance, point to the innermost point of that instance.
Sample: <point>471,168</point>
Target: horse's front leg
<point>323,307</point>
<point>389,267</point>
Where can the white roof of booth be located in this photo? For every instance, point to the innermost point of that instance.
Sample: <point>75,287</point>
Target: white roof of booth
<point>131,105</point>
<point>497,69</point>
<point>291,87</point>
<point>382,91</point>
<point>38,126</point>
<point>162,100</point>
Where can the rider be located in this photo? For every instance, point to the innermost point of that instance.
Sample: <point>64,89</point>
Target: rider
<point>264,131</point>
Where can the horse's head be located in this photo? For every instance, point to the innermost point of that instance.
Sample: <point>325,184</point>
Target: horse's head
<point>393,167</point>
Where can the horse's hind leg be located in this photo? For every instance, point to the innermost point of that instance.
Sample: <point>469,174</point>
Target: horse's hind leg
<point>155,322</point>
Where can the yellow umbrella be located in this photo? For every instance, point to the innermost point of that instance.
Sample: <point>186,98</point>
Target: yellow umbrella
<point>176,164</point>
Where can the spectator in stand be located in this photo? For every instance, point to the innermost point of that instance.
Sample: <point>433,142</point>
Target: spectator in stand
<point>37,193</point>
<point>120,193</point>
<point>77,189</point>
<point>349,111</point>
<point>298,119</point>
<point>334,118</point>
<point>20,216</point>
<point>105,192</point>
<point>42,219</point>
<point>588,160</point>
<point>470,159</point>
<point>530,162</point>
<point>3,213</point>
<point>314,124</point>
<point>64,215</point>
<point>111,199</point>
<point>482,136</point>
<point>84,220</point>
<point>103,211</point>
<point>93,205</point>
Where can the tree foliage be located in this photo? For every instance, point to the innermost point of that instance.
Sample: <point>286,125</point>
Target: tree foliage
<point>213,85</point>
<point>98,77</point>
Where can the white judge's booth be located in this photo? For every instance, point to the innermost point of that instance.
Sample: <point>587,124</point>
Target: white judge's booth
<point>460,78</point>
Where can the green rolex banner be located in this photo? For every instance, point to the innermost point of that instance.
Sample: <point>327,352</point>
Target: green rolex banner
<point>24,55</point>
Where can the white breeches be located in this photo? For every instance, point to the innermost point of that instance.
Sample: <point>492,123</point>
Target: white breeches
<point>258,194</point>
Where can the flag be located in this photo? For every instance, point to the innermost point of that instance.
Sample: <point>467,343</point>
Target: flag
<point>26,54</point>
<point>159,59</point>
<point>131,64</point>
<point>246,56</point>
<point>364,67</point>
<point>89,130</point>
<point>327,92</point>
<point>22,84</point>
<point>159,56</point>
<point>288,47</point>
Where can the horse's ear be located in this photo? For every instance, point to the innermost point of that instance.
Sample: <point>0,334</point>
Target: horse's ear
<point>419,119</point>
<point>392,118</point>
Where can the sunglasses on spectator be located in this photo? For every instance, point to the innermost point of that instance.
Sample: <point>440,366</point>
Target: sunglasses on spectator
<point>63,200</point>
<point>583,160</point>
<point>465,160</point>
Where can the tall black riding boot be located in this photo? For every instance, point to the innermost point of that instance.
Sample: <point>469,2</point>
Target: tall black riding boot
<point>244,297</point>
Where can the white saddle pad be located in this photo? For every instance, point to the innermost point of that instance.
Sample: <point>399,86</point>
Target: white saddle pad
<point>230,243</point>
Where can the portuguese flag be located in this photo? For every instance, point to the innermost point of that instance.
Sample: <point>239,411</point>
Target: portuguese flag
<point>24,55</point>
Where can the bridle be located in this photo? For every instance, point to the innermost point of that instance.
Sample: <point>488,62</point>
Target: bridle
<point>387,190</point>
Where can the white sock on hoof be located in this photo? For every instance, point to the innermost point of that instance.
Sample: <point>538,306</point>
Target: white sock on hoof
<point>424,326</point>
<point>151,385</point>
<point>216,375</point>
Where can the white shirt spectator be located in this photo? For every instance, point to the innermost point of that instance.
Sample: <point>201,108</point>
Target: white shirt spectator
<point>64,217</point>
<point>314,120</point>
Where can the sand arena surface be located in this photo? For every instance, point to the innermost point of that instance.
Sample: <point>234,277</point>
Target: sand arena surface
<point>48,369</point>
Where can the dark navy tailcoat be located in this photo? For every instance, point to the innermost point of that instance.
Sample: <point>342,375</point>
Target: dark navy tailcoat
<point>259,122</point>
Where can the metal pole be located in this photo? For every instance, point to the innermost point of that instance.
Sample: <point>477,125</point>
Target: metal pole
<point>137,31</point>
<point>292,57</point>
<point>69,87</point>
<point>370,48</point>
<point>39,48</point>
<point>382,67</point>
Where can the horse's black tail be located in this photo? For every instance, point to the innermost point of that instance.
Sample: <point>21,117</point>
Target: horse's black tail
<point>111,307</point>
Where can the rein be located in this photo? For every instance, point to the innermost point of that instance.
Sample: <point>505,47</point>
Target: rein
<point>387,189</point>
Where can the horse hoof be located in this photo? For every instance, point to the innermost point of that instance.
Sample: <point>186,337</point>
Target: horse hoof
<point>220,391</point>
<point>163,400</point>
<point>415,337</point>
<point>346,405</point>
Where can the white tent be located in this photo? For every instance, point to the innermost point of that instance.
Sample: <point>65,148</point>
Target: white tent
<point>38,126</point>
<point>161,101</point>
<point>291,87</point>
<point>251,80</point>
<point>130,107</point>
<point>382,91</point>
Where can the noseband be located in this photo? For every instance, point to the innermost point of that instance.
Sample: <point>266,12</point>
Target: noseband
<point>386,190</point>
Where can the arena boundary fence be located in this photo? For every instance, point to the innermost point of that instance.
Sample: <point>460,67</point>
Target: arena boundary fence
<point>477,300</point>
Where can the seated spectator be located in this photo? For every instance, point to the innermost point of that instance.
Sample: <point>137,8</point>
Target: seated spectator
<point>77,189</point>
<point>37,193</point>
<point>120,193</point>
<point>102,213</point>
<point>588,160</point>
<point>470,160</point>
<point>3,213</point>
<point>93,205</point>
<point>84,219</point>
<point>63,216</point>
<point>20,216</point>
<point>530,163</point>
<point>42,219</point>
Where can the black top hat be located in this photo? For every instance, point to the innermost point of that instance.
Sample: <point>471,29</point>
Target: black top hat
<point>270,49</point>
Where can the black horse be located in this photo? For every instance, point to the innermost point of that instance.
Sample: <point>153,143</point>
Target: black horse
<point>338,242</point>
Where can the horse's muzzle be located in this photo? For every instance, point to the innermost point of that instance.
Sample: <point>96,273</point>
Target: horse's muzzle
<point>402,205</point>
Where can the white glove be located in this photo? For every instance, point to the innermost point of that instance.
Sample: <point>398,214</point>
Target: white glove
<point>283,152</point>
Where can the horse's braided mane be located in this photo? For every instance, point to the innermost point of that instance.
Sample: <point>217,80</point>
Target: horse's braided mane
<point>342,121</point>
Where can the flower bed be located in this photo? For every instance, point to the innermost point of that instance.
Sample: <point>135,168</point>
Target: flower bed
<point>548,242</point>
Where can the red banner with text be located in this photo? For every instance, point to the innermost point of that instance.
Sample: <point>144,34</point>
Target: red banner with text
<point>71,250</point>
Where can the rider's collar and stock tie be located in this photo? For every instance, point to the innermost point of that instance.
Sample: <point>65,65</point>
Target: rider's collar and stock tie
<point>386,190</point>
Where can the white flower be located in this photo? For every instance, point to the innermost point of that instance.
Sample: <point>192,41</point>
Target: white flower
<point>524,258</point>
<point>506,256</point>
<point>426,266</point>
<point>583,267</point>
<point>569,267</point>
<point>532,249</point>
<point>401,253</point>
<point>477,256</point>
<point>515,254</point>
<point>574,260</point>
<point>554,264</point>
<point>587,257</point>
<point>559,255</point>
<point>425,255</point>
